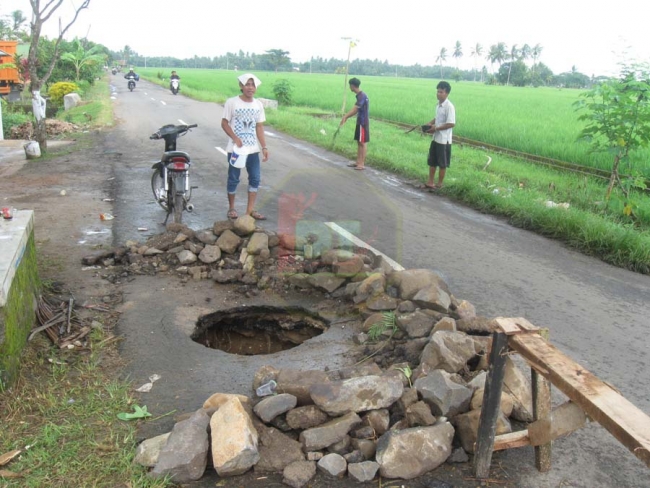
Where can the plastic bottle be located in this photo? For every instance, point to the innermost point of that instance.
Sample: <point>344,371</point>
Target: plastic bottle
<point>266,389</point>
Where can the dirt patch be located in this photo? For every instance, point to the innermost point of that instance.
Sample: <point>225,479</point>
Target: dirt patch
<point>53,127</point>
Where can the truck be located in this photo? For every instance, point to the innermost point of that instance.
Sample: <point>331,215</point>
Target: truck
<point>11,84</point>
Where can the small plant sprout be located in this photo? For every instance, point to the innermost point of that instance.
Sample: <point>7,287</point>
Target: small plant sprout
<point>408,372</point>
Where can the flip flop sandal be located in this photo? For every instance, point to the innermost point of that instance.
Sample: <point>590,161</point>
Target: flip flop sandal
<point>359,168</point>
<point>232,214</point>
<point>257,216</point>
<point>352,165</point>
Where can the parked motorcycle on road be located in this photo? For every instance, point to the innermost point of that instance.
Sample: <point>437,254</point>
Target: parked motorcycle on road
<point>170,181</point>
<point>174,86</point>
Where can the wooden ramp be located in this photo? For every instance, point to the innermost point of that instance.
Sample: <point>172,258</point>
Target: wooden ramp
<point>598,400</point>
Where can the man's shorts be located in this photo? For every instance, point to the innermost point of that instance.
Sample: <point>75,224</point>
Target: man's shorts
<point>362,133</point>
<point>439,155</point>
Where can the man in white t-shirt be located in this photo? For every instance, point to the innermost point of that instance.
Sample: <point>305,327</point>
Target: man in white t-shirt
<point>243,121</point>
<point>441,127</point>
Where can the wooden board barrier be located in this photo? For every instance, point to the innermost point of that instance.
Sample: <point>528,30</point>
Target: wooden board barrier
<point>627,423</point>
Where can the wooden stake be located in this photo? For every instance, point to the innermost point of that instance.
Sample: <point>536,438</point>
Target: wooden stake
<point>491,404</point>
<point>541,410</point>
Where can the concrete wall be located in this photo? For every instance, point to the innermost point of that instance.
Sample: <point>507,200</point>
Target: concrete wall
<point>19,289</point>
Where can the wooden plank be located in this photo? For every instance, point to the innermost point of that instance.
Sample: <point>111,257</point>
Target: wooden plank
<point>619,416</point>
<point>542,409</point>
<point>563,420</point>
<point>511,326</point>
<point>511,440</point>
<point>487,426</point>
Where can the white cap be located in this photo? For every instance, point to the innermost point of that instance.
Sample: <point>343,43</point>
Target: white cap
<point>243,79</point>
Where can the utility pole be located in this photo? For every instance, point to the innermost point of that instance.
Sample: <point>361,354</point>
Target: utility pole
<point>352,42</point>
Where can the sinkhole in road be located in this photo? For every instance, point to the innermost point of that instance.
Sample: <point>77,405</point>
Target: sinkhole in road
<point>254,330</point>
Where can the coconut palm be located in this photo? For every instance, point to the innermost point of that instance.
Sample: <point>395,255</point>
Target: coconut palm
<point>458,52</point>
<point>441,58</point>
<point>477,50</point>
<point>535,53</point>
<point>514,55</point>
<point>525,52</point>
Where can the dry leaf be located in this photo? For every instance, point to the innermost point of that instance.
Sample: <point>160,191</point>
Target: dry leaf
<point>5,458</point>
<point>9,474</point>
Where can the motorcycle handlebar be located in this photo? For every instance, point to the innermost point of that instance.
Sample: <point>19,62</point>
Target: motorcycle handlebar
<point>171,129</point>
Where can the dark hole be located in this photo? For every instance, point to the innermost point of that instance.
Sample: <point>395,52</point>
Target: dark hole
<point>250,331</point>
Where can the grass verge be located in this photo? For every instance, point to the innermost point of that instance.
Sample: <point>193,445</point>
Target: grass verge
<point>522,192</point>
<point>62,414</point>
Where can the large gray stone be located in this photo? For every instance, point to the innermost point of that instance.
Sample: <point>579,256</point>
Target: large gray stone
<point>410,453</point>
<point>416,324</point>
<point>228,241</point>
<point>333,465</point>
<point>357,394</point>
<point>449,351</point>
<point>364,471</point>
<point>185,455</point>
<point>516,383</point>
<point>71,100</point>
<point>147,452</point>
<point>276,450</point>
<point>433,298</point>
<point>329,433</point>
<point>275,405</point>
<point>257,243</point>
<point>298,383</point>
<point>442,394</point>
<point>298,473</point>
<point>467,427</point>
<point>306,417</point>
<point>409,282</point>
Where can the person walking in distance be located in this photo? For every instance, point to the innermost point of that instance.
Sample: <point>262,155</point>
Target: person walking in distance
<point>243,121</point>
<point>362,131</point>
<point>442,126</point>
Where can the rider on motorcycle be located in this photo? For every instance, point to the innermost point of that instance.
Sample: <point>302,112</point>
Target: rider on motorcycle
<point>133,74</point>
<point>175,76</point>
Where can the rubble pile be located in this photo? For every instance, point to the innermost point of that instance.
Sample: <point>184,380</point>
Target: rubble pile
<point>53,128</point>
<point>410,403</point>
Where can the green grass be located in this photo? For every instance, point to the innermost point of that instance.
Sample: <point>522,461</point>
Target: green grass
<point>96,109</point>
<point>510,187</point>
<point>539,121</point>
<point>62,415</point>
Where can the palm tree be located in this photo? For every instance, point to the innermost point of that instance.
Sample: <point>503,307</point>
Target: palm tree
<point>441,58</point>
<point>477,50</point>
<point>458,52</point>
<point>514,54</point>
<point>535,53</point>
<point>79,57</point>
<point>525,52</point>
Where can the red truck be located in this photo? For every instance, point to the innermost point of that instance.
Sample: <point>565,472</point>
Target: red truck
<point>11,84</point>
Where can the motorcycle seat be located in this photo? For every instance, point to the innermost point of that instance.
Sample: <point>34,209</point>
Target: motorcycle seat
<point>168,156</point>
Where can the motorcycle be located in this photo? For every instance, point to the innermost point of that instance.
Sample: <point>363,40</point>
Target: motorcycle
<point>131,83</point>
<point>170,181</point>
<point>174,86</point>
<point>114,71</point>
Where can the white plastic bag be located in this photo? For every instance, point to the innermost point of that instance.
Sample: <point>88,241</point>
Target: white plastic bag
<point>239,155</point>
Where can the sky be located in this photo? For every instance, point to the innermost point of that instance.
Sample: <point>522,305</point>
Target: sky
<point>590,35</point>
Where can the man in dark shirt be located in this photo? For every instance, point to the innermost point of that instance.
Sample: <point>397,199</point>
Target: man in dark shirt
<point>362,131</point>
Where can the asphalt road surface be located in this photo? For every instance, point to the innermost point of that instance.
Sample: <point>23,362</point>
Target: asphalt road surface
<point>596,313</point>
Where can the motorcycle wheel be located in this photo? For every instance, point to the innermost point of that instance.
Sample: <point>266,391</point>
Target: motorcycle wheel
<point>177,205</point>
<point>131,87</point>
<point>158,188</point>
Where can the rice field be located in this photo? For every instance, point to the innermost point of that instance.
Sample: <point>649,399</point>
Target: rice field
<point>539,121</point>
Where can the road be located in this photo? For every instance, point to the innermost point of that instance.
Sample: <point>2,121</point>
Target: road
<point>596,313</point>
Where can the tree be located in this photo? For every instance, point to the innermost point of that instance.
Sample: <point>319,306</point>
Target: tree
<point>40,16</point>
<point>458,52</point>
<point>81,57</point>
<point>535,53</point>
<point>278,58</point>
<point>477,50</point>
<point>618,120</point>
<point>12,26</point>
<point>442,56</point>
<point>514,55</point>
<point>497,54</point>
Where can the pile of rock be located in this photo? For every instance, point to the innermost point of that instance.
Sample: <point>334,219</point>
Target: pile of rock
<point>356,422</point>
<point>399,418</point>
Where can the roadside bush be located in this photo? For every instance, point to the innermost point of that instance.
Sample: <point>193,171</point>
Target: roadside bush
<point>12,118</point>
<point>283,91</point>
<point>58,90</point>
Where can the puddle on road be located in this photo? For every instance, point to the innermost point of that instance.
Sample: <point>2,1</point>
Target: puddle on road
<point>250,331</point>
